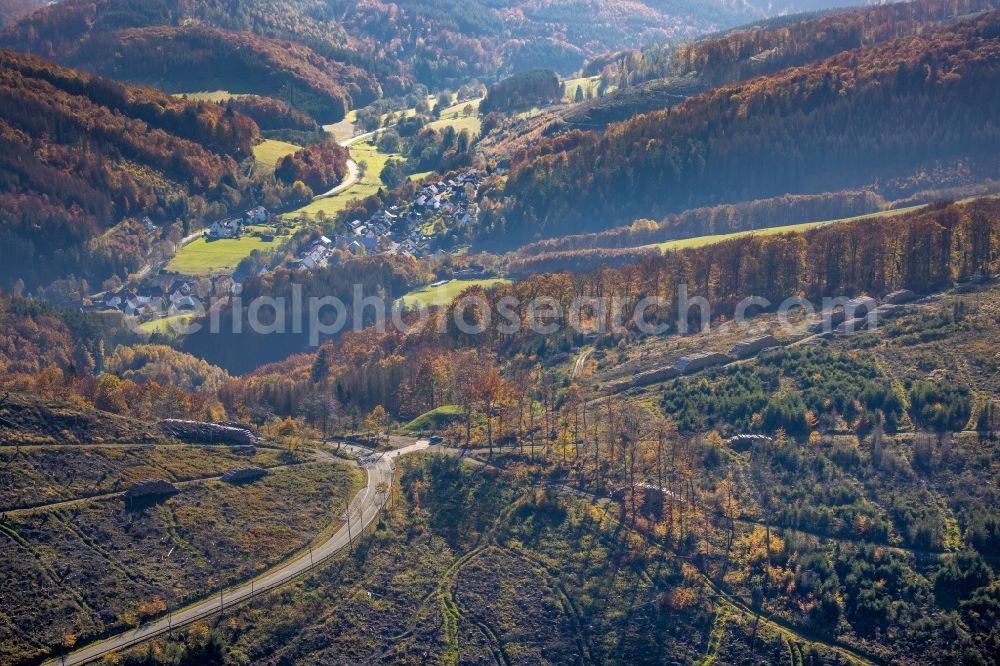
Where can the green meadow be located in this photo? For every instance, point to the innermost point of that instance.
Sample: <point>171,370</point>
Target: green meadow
<point>270,151</point>
<point>203,257</point>
<point>443,294</point>
<point>701,241</point>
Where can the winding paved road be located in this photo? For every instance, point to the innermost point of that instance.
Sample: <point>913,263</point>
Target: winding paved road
<point>353,172</point>
<point>353,175</point>
<point>361,512</point>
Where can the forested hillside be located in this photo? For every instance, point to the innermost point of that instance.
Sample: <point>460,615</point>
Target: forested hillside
<point>272,114</point>
<point>861,521</point>
<point>11,10</point>
<point>61,354</point>
<point>535,87</point>
<point>922,250</point>
<point>320,167</point>
<point>747,52</point>
<point>722,219</point>
<point>447,40</point>
<point>82,153</point>
<point>874,113</point>
<point>191,46</point>
<point>59,27</point>
<point>196,58</point>
<point>35,335</point>
<point>661,75</point>
<point>377,331</point>
<point>436,42</point>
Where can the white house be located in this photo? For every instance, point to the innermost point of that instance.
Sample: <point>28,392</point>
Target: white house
<point>228,228</point>
<point>257,215</point>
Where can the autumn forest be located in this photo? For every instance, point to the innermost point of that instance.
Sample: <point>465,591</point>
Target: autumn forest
<point>506,331</point>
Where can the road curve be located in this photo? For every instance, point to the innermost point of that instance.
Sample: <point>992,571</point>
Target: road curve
<point>362,511</point>
<point>346,143</point>
<point>353,175</point>
<point>353,172</point>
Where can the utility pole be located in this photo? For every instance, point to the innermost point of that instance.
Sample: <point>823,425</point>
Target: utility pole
<point>350,540</point>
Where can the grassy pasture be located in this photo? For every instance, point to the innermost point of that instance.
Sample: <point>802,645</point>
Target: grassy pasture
<point>443,294</point>
<point>454,116</point>
<point>165,325</point>
<point>471,123</point>
<point>701,241</point>
<point>436,419</point>
<point>204,257</point>
<point>269,152</point>
<point>420,175</point>
<point>341,131</point>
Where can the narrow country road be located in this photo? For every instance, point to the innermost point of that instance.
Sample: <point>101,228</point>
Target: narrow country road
<point>192,236</point>
<point>347,143</point>
<point>353,174</point>
<point>361,512</point>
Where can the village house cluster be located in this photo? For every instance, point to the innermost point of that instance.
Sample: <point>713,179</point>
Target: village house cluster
<point>164,294</point>
<point>400,229</point>
<point>169,293</point>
